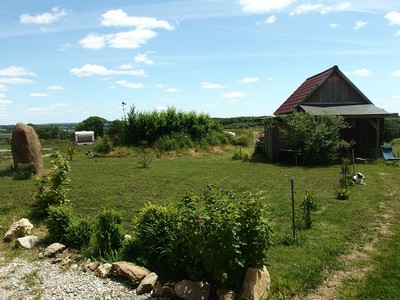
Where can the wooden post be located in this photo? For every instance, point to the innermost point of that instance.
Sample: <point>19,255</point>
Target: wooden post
<point>293,215</point>
<point>354,165</point>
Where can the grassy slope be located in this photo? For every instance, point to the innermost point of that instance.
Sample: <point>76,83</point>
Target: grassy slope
<point>119,182</point>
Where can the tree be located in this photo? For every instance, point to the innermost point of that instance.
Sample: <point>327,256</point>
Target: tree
<point>392,129</point>
<point>317,137</point>
<point>93,123</point>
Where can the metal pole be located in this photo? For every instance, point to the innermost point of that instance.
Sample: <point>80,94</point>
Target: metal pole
<point>293,215</point>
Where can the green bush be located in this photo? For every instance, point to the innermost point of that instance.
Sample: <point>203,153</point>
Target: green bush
<point>307,206</point>
<point>79,234</point>
<point>155,235</point>
<point>58,222</point>
<point>317,137</point>
<point>51,189</point>
<point>103,145</point>
<point>64,227</point>
<point>212,237</point>
<point>24,171</point>
<point>109,233</point>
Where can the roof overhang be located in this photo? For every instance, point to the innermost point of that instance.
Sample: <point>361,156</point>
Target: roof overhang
<point>359,110</point>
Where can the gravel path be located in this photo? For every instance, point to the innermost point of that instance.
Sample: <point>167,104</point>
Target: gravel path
<point>21,279</point>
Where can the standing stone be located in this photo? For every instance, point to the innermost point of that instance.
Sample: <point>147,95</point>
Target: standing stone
<point>26,148</point>
<point>256,283</point>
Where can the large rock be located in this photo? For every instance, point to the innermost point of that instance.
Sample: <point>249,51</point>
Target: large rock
<point>28,242</point>
<point>256,283</point>
<point>147,284</point>
<point>18,229</point>
<point>224,294</point>
<point>190,290</point>
<point>132,272</point>
<point>26,148</point>
<point>53,249</point>
<point>103,270</point>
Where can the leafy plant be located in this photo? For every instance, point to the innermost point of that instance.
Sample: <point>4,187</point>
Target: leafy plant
<point>308,205</point>
<point>51,187</point>
<point>70,150</point>
<point>24,171</point>
<point>186,240</point>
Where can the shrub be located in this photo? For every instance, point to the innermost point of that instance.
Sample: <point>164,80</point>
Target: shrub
<point>212,237</point>
<point>24,171</point>
<point>155,233</point>
<point>51,187</point>
<point>79,234</point>
<point>317,137</point>
<point>308,205</point>
<point>103,145</point>
<point>64,227</point>
<point>109,233</point>
<point>58,222</point>
<point>70,150</point>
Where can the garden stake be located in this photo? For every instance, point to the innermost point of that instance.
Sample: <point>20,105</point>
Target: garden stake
<point>354,165</point>
<point>293,216</point>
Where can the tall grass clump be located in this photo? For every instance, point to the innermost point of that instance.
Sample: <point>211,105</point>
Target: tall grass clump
<point>109,233</point>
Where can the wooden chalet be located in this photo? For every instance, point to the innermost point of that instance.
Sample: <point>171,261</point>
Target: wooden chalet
<point>331,92</point>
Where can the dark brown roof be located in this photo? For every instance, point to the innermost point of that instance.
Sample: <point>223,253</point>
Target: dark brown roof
<point>304,91</point>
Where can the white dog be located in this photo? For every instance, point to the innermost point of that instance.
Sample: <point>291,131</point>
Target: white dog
<point>359,178</point>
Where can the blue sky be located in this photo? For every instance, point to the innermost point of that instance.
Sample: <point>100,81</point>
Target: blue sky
<point>63,61</point>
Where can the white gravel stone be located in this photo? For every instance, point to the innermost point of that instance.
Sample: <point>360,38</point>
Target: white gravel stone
<point>20,279</point>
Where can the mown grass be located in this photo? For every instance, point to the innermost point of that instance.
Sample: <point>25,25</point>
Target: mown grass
<point>295,269</point>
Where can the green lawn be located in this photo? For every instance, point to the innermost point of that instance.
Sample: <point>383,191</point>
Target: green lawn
<point>295,269</point>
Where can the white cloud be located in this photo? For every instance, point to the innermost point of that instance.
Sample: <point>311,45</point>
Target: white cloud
<point>261,6</point>
<point>93,41</point>
<point>119,18</point>
<point>45,18</point>
<point>131,39</point>
<point>306,8</point>
<point>130,85</point>
<point>393,17</point>
<point>38,95</point>
<point>234,95</point>
<point>15,80</point>
<point>122,40</point>
<point>334,25</point>
<point>359,72</point>
<point>142,58</point>
<point>3,87</point>
<point>173,90</point>
<point>268,21</point>
<point>249,80</point>
<point>4,100</point>
<point>359,24</point>
<point>89,70</point>
<point>12,71</point>
<point>210,85</point>
<point>395,73</point>
<point>55,88</point>
<point>66,47</point>
<point>397,33</point>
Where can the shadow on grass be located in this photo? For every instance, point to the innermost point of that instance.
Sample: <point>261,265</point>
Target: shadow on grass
<point>7,171</point>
